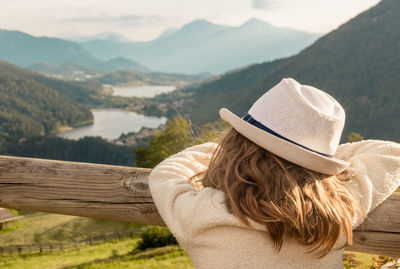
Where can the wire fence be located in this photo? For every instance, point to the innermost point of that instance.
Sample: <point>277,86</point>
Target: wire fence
<point>62,245</point>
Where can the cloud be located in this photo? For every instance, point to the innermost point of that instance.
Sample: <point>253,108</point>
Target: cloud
<point>264,4</point>
<point>119,19</point>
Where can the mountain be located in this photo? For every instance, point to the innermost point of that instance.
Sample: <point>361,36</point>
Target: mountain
<point>358,64</point>
<point>167,42</point>
<point>25,50</point>
<point>167,33</point>
<point>30,106</point>
<point>202,46</point>
<point>109,36</point>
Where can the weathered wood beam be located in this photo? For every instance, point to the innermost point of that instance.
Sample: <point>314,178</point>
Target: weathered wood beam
<point>121,194</point>
<point>80,189</point>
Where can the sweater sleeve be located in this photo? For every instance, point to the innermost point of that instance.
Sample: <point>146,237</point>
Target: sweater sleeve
<point>175,197</point>
<point>376,168</point>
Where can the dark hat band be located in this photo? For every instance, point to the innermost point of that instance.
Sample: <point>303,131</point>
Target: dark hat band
<point>248,118</point>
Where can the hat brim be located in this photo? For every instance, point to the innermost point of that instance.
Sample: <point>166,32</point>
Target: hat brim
<point>283,148</point>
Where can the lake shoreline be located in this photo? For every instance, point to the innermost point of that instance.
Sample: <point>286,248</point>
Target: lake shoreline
<point>138,91</point>
<point>111,123</point>
<point>66,128</point>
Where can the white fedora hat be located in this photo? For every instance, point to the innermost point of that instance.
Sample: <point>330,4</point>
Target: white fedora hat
<point>298,123</point>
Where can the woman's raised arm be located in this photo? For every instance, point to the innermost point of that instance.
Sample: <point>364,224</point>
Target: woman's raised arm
<point>376,168</point>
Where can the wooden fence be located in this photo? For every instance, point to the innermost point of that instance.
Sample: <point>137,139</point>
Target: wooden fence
<point>62,245</point>
<point>121,194</point>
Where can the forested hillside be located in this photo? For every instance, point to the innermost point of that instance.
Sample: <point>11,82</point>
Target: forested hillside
<point>88,149</point>
<point>358,64</point>
<point>31,105</point>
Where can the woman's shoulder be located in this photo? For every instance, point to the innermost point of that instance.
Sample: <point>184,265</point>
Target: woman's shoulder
<point>367,147</point>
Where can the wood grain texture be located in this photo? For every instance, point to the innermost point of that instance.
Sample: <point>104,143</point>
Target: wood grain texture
<point>80,189</point>
<point>385,218</point>
<point>122,194</point>
<point>387,244</point>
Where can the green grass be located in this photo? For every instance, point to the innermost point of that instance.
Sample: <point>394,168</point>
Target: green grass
<point>116,254</point>
<point>67,258</point>
<point>42,228</point>
<point>165,257</point>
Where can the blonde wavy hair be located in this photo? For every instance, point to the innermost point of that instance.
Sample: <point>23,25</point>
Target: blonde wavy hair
<point>313,208</point>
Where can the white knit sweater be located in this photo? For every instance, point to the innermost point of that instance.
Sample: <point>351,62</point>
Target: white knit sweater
<point>214,238</point>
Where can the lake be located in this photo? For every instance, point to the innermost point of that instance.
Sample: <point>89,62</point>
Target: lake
<point>142,91</point>
<point>111,123</point>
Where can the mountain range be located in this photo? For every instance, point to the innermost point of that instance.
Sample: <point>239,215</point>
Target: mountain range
<point>197,47</point>
<point>25,50</point>
<point>358,64</point>
<point>202,46</point>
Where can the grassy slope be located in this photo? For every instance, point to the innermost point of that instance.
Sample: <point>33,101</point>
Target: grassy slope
<point>115,254</point>
<point>165,257</point>
<point>41,228</point>
<point>69,257</point>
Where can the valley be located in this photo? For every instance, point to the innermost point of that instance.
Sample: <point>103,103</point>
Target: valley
<point>107,99</point>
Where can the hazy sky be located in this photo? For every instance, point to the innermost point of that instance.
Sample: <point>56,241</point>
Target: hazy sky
<point>146,19</point>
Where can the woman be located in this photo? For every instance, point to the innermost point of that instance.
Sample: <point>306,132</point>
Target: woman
<point>278,191</point>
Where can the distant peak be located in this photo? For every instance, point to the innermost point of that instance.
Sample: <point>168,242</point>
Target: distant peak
<point>255,21</point>
<point>199,23</point>
<point>119,59</point>
<point>6,31</point>
<point>167,32</point>
<point>202,24</point>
